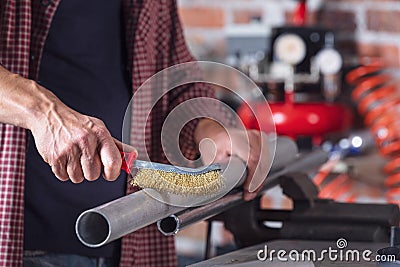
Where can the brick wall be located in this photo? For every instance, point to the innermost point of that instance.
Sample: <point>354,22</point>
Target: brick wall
<point>364,27</point>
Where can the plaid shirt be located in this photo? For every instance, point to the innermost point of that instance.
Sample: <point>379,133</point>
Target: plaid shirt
<point>154,41</point>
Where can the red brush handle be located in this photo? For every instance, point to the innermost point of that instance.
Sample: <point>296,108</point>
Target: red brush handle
<point>127,160</point>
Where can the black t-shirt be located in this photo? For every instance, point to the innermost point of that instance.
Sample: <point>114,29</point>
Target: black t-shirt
<point>83,64</point>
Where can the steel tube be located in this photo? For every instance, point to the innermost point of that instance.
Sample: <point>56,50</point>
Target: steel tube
<point>172,224</point>
<point>103,224</point>
<point>284,162</point>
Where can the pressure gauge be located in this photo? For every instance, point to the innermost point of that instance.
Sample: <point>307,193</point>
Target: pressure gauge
<point>329,61</point>
<point>290,48</point>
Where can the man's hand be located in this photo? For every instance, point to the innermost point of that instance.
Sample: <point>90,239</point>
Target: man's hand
<point>76,146</point>
<point>216,144</point>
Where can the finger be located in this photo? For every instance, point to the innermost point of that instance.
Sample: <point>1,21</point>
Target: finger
<point>74,168</point>
<point>258,165</point>
<point>255,179</point>
<point>249,193</point>
<point>90,160</point>
<point>91,166</point>
<point>251,171</point>
<point>239,144</point>
<point>110,158</point>
<point>250,153</point>
<point>59,169</point>
<point>263,163</point>
<point>259,176</point>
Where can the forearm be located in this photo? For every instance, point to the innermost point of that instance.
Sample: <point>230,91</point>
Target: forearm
<point>76,146</point>
<point>23,101</point>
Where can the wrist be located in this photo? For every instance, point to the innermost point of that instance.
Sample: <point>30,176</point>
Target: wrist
<point>39,106</point>
<point>24,102</point>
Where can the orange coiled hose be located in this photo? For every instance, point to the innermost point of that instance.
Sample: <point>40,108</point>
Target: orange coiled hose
<point>378,101</point>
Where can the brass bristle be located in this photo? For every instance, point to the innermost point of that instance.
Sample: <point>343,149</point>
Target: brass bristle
<point>177,183</point>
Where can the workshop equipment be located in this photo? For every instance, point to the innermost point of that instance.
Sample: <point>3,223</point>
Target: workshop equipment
<point>301,78</point>
<point>310,74</point>
<point>311,218</point>
<point>299,14</point>
<point>301,119</point>
<point>378,100</point>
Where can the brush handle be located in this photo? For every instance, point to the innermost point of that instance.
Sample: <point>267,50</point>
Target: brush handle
<point>127,161</point>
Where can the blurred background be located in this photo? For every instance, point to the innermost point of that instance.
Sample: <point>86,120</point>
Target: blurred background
<point>362,27</point>
<point>302,53</point>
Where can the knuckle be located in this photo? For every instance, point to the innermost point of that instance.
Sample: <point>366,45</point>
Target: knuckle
<point>102,132</point>
<point>83,141</point>
<point>56,161</point>
<point>83,138</point>
<point>97,121</point>
<point>88,158</point>
<point>98,125</point>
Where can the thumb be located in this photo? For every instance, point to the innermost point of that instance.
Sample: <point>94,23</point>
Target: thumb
<point>128,153</point>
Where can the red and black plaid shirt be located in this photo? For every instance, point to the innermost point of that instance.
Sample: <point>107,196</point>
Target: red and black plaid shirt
<point>154,41</point>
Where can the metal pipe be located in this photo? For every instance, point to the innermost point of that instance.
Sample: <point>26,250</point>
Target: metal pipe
<point>103,224</point>
<point>283,164</point>
<point>171,225</point>
<point>285,153</point>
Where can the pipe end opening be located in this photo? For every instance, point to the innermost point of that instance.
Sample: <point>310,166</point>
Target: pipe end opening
<point>92,229</point>
<point>169,226</point>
